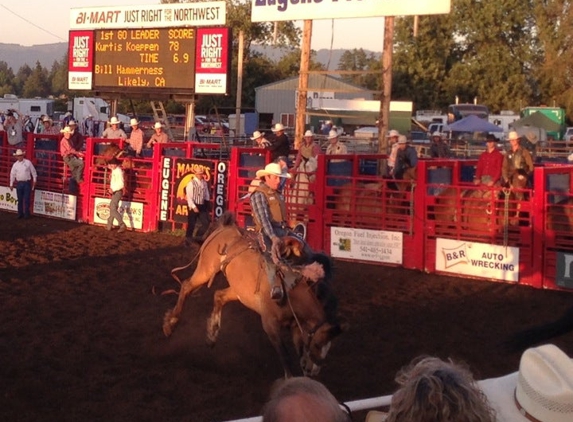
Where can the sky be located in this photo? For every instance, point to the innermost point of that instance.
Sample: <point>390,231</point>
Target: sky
<point>34,22</point>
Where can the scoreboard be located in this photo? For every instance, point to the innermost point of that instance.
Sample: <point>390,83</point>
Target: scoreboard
<point>142,59</point>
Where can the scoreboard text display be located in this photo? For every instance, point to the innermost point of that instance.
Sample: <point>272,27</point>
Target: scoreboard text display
<point>145,59</point>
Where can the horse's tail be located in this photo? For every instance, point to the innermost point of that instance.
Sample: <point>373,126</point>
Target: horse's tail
<point>531,336</point>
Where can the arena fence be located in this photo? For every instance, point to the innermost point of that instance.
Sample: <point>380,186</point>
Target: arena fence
<point>351,212</point>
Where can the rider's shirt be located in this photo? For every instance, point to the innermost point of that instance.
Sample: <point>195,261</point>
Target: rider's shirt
<point>269,211</point>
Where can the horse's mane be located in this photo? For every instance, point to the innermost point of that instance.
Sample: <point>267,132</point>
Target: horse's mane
<point>323,289</point>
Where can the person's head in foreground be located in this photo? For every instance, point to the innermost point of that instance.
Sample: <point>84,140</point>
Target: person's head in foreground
<point>302,399</point>
<point>438,391</point>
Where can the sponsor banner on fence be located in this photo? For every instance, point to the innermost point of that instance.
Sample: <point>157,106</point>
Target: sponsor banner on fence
<point>131,213</point>
<point>477,259</point>
<point>283,10</point>
<point>564,270</point>
<point>366,245</point>
<point>53,204</point>
<point>184,174</point>
<point>8,199</point>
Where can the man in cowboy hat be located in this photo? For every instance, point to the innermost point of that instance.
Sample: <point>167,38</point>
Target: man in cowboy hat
<point>24,176</point>
<point>48,127</point>
<point>136,139</point>
<point>308,149</point>
<point>76,138</point>
<point>488,170</point>
<point>114,131</point>
<point>198,197</point>
<point>269,212</point>
<point>439,148</point>
<point>71,156</point>
<point>406,159</point>
<point>116,189</point>
<point>280,145</point>
<point>335,147</point>
<point>159,137</point>
<point>517,158</point>
<point>259,140</point>
<point>393,136</point>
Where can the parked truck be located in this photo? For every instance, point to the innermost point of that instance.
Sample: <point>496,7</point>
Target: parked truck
<point>556,114</point>
<point>33,107</point>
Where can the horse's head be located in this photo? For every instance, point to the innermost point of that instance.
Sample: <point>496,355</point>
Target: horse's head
<point>313,345</point>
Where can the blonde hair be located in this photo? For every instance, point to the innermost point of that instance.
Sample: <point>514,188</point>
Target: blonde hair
<point>438,391</point>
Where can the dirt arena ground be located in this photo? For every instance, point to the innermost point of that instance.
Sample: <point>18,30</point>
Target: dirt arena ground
<point>81,338</point>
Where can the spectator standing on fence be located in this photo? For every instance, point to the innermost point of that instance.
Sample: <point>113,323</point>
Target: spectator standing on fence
<point>116,189</point>
<point>48,127</point>
<point>335,147</point>
<point>159,137</point>
<point>259,140</point>
<point>309,150</point>
<point>439,391</point>
<point>439,148</point>
<point>280,145</point>
<point>393,136</point>
<point>302,399</point>
<point>13,127</point>
<point>113,131</point>
<point>23,175</point>
<point>406,160</point>
<point>76,139</point>
<point>136,139</point>
<point>71,156</point>
<point>517,158</point>
<point>198,197</point>
<point>488,170</point>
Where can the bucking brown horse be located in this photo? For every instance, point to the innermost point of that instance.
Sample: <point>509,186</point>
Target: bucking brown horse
<point>308,314</point>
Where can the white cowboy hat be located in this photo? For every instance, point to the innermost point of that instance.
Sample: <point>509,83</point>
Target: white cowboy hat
<point>114,121</point>
<point>256,135</point>
<point>66,130</point>
<point>542,390</point>
<point>436,133</point>
<point>513,135</point>
<point>393,133</point>
<point>272,168</point>
<point>278,127</point>
<point>46,119</point>
<point>402,140</point>
<point>332,134</point>
<point>308,134</point>
<point>157,125</point>
<point>72,123</point>
<point>18,153</point>
<point>133,122</point>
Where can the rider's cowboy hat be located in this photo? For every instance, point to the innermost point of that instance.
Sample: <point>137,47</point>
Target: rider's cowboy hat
<point>542,390</point>
<point>133,122</point>
<point>332,134</point>
<point>157,125</point>
<point>18,153</point>
<point>308,134</point>
<point>114,121</point>
<point>513,135</point>
<point>274,169</point>
<point>278,127</point>
<point>66,130</point>
<point>257,135</point>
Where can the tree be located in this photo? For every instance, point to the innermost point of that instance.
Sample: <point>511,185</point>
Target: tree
<point>21,76</point>
<point>6,79</point>
<point>58,77</point>
<point>36,85</point>
<point>359,60</point>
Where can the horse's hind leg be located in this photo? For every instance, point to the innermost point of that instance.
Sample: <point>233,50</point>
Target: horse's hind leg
<point>199,278</point>
<point>222,297</point>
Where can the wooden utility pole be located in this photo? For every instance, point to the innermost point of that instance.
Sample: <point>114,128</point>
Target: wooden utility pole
<point>383,117</point>
<point>239,85</point>
<point>303,83</point>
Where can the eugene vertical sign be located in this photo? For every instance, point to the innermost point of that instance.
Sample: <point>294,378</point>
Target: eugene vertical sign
<point>80,59</point>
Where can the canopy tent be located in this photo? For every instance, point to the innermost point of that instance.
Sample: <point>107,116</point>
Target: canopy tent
<point>539,120</point>
<point>472,123</point>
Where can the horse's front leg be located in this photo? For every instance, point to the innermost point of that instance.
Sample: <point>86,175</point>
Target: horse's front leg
<point>274,331</point>
<point>222,297</point>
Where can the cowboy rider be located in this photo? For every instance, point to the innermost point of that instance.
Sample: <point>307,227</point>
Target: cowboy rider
<point>516,158</point>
